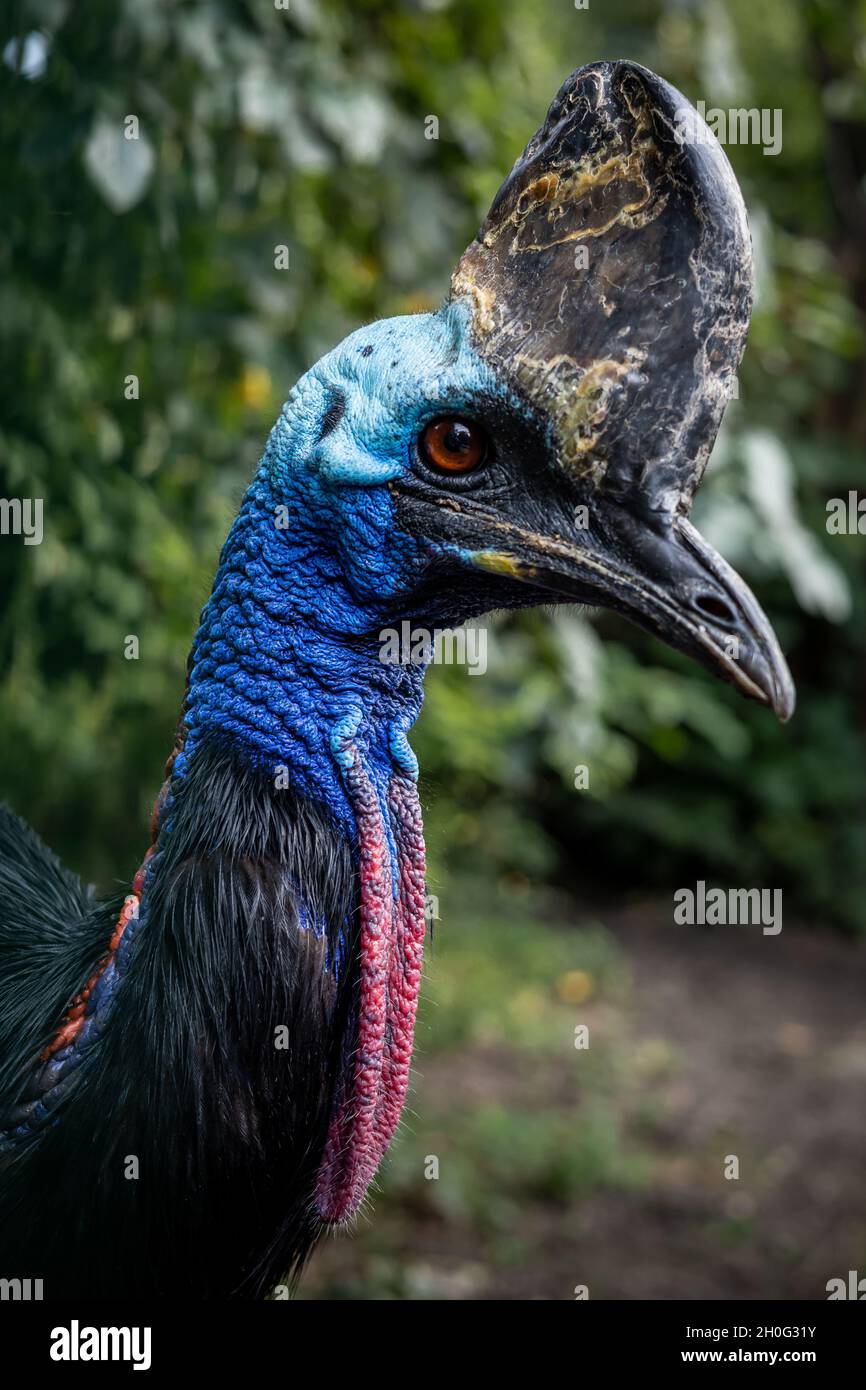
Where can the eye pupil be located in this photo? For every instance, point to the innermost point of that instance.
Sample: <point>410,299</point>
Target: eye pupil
<point>458,440</point>
<point>452,445</point>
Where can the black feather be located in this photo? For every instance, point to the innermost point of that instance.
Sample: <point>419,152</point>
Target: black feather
<point>52,930</point>
<point>227,1128</point>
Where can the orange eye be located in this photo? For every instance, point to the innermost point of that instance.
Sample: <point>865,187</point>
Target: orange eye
<point>452,445</point>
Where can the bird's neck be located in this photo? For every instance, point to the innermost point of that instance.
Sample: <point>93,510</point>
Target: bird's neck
<point>283,892</point>
<point>287,663</point>
<point>286,671</point>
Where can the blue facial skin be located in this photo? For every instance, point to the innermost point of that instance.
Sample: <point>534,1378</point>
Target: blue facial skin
<point>314,559</point>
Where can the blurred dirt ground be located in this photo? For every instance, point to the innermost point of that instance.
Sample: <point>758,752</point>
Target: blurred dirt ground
<point>605,1167</point>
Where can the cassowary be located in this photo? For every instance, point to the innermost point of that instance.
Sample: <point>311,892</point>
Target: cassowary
<point>197,1082</point>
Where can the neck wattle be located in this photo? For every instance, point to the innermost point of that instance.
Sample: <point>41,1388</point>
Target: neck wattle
<point>391,871</point>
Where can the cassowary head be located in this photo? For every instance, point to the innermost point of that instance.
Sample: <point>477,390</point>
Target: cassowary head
<point>540,438</point>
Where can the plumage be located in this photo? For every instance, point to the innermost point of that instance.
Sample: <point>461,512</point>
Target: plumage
<point>224,962</point>
<point>198,1079</point>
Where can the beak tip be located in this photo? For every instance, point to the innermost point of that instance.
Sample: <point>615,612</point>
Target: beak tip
<point>784,701</point>
<point>773,687</point>
<point>780,689</point>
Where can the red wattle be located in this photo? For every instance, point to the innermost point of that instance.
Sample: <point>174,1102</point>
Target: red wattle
<point>391,950</point>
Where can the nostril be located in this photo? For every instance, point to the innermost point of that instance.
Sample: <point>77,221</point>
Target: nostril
<point>716,608</point>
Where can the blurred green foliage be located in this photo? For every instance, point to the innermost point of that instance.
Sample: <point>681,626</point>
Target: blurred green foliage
<point>305,127</point>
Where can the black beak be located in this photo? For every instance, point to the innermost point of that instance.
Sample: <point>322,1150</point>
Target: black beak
<point>611,286</point>
<point>661,573</point>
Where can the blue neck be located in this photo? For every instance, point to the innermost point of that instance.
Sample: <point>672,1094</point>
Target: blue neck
<point>286,662</point>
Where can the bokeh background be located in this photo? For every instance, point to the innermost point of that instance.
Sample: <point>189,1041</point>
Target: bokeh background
<point>305,127</point>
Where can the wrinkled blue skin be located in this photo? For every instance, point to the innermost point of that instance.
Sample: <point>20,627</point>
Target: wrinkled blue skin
<point>270,665</point>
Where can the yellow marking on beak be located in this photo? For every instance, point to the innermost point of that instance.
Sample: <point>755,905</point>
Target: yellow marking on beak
<point>497,562</point>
